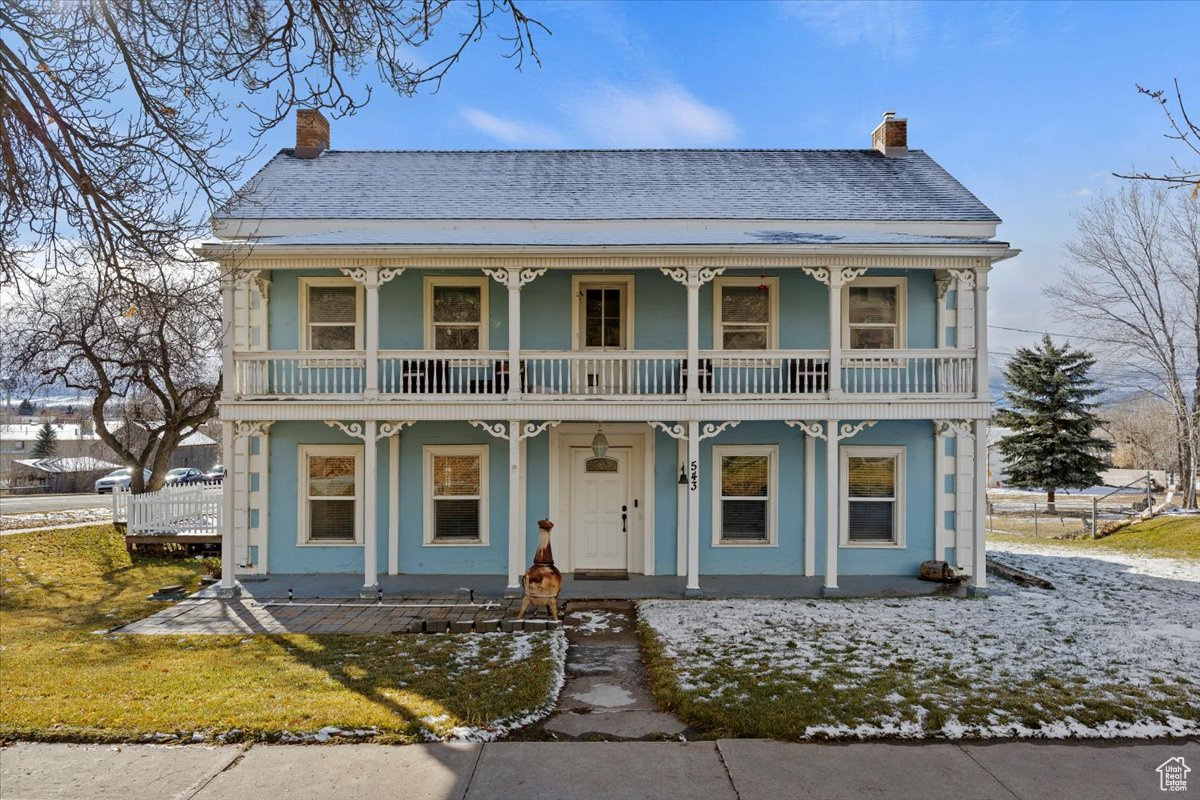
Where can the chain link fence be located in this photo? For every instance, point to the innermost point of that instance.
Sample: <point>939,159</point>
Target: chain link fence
<point>1071,516</point>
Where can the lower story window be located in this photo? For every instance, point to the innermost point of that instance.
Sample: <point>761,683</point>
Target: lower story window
<point>456,495</point>
<point>330,492</point>
<point>744,499</point>
<point>873,505</point>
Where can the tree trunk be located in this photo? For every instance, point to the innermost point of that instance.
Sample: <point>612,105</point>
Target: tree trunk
<point>1050,500</point>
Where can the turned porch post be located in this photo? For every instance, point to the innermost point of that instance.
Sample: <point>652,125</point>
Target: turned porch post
<point>832,505</point>
<point>693,502</point>
<point>514,279</point>
<point>693,278</point>
<point>228,587</point>
<point>371,279</point>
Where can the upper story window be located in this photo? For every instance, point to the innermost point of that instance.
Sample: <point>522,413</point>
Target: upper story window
<point>330,488</point>
<point>873,503</point>
<point>331,314</point>
<point>456,495</point>
<point>456,313</point>
<point>873,310</point>
<point>746,313</point>
<point>744,505</point>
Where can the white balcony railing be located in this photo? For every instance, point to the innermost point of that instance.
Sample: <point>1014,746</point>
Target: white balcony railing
<point>281,373</point>
<point>909,373</point>
<point>605,373</point>
<point>741,374</point>
<point>620,374</point>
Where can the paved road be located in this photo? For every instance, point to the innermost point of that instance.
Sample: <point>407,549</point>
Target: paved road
<point>23,504</point>
<point>723,770</point>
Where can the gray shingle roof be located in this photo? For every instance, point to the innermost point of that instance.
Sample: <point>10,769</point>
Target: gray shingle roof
<point>858,185</point>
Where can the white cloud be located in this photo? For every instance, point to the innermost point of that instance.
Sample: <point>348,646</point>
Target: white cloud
<point>891,28</point>
<point>512,132</point>
<point>1084,192</point>
<point>666,116</point>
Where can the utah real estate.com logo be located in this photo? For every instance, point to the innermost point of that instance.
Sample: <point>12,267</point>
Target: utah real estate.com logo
<point>1172,775</point>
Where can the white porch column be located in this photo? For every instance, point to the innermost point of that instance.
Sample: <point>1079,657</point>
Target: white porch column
<point>979,568</point>
<point>371,515</point>
<point>228,587</point>
<point>835,278</point>
<point>372,278</point>
<point>514,433</point>
<point>832,505</point>
<point>681,511</point>
<point>693,278</point>
<point>516,538</point>
<point>693,522</point>
<point>812,432</point>
<point>981,339</point>
<point>394,504</point>
<point>514,279</point>
<point>834,433</point>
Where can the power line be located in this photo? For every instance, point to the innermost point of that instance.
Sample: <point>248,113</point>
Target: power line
<point>1064,335</point>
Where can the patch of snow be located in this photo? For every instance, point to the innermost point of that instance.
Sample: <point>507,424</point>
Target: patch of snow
<point>590,622</point>
<point>1114,620</point>
<point>606,695</point>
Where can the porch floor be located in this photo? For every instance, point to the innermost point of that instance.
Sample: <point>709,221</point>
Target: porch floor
<point>637,587</point>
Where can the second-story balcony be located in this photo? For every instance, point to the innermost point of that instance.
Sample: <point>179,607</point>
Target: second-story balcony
<point>419,375</point>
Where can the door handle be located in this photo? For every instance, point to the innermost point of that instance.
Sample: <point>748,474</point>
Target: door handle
<point>624,519</point>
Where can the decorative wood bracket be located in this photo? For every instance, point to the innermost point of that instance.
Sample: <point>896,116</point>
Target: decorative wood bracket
<point>965,277</point>
<point>389,429</point>
<point>514,277</point>
<point>835,276</point>
<point>676,431</point>
<point>529,430</point>
<point>499,430</point>
<point>355,430</point>
<point>814,429</point>
<point>950,427</point>
<point>942,281</point>
<point>711,429</point>
<point>244,428</point>
<point>848,431</point>
<point>372,276</point>
<point>692,276</point>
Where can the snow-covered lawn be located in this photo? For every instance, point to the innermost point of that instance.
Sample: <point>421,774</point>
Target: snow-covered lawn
<point>47,519</point>
<point>1113,651</point>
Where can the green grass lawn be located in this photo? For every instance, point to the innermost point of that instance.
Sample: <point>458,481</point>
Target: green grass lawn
<point>1166,536</point>
<point>65,678</point>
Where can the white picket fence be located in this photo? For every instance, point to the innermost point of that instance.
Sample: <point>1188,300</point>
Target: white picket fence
<point>193,508</point>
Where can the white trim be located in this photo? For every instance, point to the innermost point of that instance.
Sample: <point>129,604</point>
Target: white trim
<point>359,324</point>
<point>427,453</point>
<point>393,475</point>
<point>772,284</point>
<point>899,453</point>
<point>302,520</point>
<point>579,282</point>
<point>484,286</point>
<point>771,451</point>
<point>900,283</point>
<point>567,435</point>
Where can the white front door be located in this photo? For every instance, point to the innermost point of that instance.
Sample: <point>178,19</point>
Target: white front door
<point>600,512</point>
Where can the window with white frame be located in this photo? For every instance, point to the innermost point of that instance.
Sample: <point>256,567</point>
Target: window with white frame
<point>330,494</point>
<point>745,313</point>
<point>874,313</point>
<point>745,494</point>
<point>331,310</point>
<point>456,495</point>
<point>456,310</point>
<point>873,498</point>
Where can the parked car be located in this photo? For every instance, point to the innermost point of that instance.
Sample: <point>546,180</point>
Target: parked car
<point>217,473</point>
<point>182,475</point>
<point>118,479</point>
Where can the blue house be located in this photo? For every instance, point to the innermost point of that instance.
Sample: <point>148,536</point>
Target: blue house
<point>695,362</point>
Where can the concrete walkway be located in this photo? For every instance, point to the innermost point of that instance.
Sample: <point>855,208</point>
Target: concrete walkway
<point>605,695</point>
<point>722,770</point>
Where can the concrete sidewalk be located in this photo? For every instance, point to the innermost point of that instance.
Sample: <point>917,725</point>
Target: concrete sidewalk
<point>722,770</point>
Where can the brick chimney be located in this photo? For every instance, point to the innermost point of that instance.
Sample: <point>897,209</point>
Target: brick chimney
<point>312,133</point>
<point>891,137</point>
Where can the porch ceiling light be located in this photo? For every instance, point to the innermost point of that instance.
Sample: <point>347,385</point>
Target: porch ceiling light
<point>599,442</point>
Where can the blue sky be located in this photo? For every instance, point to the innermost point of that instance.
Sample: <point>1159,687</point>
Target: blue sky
<point>1031,105</point>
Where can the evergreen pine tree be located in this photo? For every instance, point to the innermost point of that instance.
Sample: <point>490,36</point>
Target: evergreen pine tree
<point>25,409</point>
<point>47,442</point>
<point>1053,421</point>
